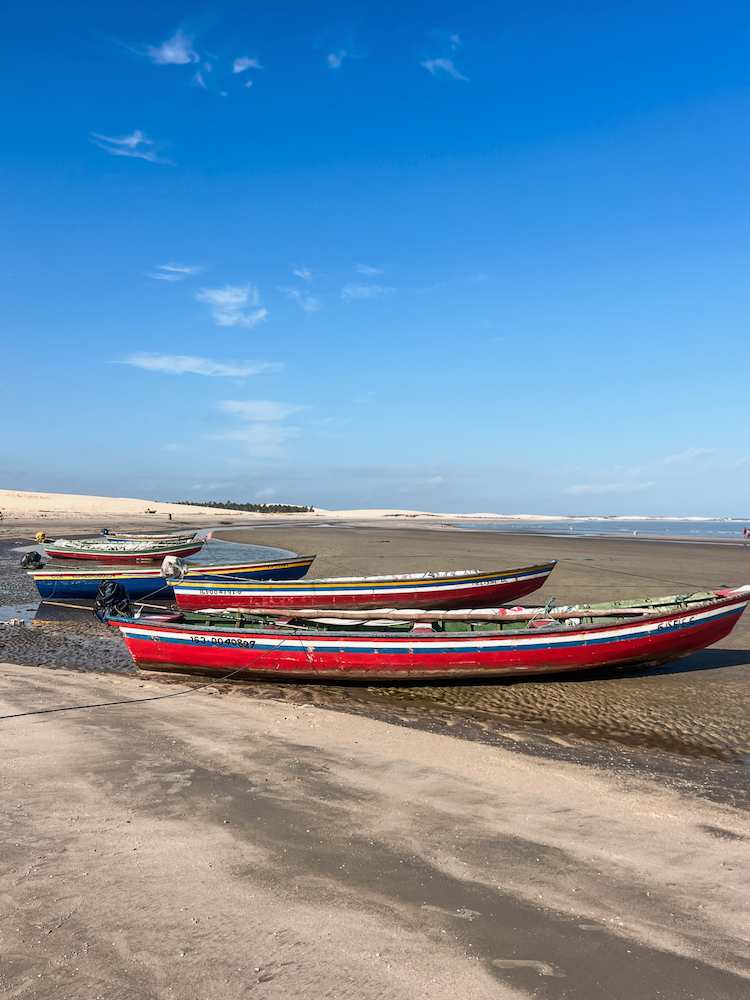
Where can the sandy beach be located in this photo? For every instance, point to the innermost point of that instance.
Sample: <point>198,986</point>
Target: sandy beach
<point>584,837</point>
<point>225,847</point>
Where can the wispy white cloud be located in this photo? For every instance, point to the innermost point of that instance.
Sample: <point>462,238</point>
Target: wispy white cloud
<point>742,462</point>
<point>258,410</point>
<point>243,63</point>
<point>637,479</point>
<point>456,41</point>
<point>368,270</point>
<point>603,489</point>
<point>187,364</point>
<point>335,60</point>
<point>265,493</point>
<point>262,430</point>
<point>687,456</point>
<point>303,272</point>
<point>176,51</point>
<point>422,483</point>
<point>447,66</point>
<point>210,487</point>
<point>262,440</point>
<point>354,292</point>
<point>304,299</point>
<point>200,77</point>
<point>136,145</point>
<point>234,305</point>
<point>174,272</point>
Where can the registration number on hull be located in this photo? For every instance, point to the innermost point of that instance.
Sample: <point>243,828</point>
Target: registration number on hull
<point>229,642</point>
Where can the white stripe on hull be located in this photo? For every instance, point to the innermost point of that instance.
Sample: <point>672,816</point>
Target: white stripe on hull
<point>327,588</point>
<point>425,642</point>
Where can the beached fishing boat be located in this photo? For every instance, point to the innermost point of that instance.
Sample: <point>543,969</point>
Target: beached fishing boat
<point>453,589</point>
<point>128,536</point>
<point>406,645</point>
<point>105,550</point>
<point>83,584</point>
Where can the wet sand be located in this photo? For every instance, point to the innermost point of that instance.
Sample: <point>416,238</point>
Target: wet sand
<point>223,847</point>
<point>697,706</point>
<point>694,709</point>
<point>243,839</point>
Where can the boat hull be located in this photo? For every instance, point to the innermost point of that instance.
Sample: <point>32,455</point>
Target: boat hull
<point>177,539</point>
<point>460,591</point>
<point>127,558</point>
<point>83,584</point>
<point>325,655</point>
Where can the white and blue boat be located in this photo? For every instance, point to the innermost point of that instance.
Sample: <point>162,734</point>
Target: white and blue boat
<point>141,582</point>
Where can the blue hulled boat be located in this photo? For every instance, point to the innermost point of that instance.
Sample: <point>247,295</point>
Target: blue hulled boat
<point>144,582</point>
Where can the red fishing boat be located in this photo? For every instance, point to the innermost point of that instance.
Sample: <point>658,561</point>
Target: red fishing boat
<point>400,644</point>
<point>124,551</point>
<point>453,589</point>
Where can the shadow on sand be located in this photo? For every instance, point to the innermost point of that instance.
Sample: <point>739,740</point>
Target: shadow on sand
<point>707,659</point>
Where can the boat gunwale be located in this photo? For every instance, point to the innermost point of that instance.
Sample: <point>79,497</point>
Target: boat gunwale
<point>478,576</point>
<point>741,596</point>
<point>116,548</point>
<point>128,569</point>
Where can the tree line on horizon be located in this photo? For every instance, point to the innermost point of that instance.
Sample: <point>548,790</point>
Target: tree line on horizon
<point>253,508</point>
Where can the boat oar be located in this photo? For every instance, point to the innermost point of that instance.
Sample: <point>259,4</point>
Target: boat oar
<point>88,607</point>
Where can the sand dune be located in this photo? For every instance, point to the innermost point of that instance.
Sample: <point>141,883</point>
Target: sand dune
<point>26,505</point>
<point>22,505</point>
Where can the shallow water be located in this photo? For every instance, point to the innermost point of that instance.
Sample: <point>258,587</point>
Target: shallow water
<point>719,529</point>
<point>215,550</point>
<point>18,612</point>
<point>17,587</point>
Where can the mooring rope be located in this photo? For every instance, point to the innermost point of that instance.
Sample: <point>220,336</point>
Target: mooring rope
<point>121,701</point>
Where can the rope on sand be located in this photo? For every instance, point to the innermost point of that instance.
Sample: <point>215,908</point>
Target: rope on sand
<point>122,701</point>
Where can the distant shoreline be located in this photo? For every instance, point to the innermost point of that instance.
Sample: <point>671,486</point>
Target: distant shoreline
<point>56,512</point>
<point>546,518</point>
<point>614,537</point>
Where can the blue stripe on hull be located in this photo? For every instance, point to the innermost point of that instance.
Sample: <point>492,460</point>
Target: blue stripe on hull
<point>87,589</point>
<point>138,588</point>
<point>266,644</point>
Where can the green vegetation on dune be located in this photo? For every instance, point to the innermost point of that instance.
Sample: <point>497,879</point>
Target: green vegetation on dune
<point>255,508</point>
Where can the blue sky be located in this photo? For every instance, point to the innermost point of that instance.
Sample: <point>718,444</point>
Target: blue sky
<point>450,257</point>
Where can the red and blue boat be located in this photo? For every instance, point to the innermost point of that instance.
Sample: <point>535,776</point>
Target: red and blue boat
<point>418,645</point>
<point>83,584</point>
<point>452,589</point>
